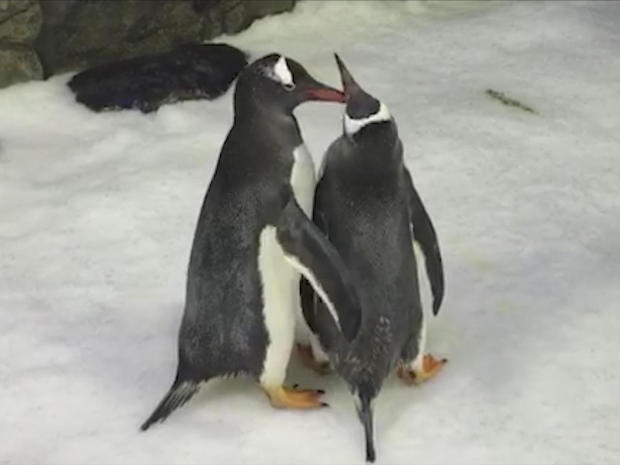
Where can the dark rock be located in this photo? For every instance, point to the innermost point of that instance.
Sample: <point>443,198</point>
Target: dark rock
<point>270,7</point>
<point>17,64</point>
<point>79,33</point>
<point>74,34</point>
<point>239,14</point>
<point>190,71</point>
<point>201,5</point>
<point>236,16</point>
<point>20,20</point>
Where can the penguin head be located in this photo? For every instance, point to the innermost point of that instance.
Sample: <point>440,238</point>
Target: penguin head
<point>362,109</point>
<point>281,84</point>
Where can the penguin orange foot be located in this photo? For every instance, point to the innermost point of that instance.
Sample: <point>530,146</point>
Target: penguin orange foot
<point>365,167</point>
<point>427,368</point>
<point>255,219</point>
<point>283,397</point>
<point>308,360</point>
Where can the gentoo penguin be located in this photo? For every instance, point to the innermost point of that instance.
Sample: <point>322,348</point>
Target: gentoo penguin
<point>252,241</point>
<point>366,204</point>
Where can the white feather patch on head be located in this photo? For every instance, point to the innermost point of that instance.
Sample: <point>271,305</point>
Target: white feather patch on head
<point>351,126</point>
<point>282,73</point>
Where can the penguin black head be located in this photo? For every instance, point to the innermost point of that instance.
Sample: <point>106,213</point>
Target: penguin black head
<point>362,109</point>
<point>280,84</point>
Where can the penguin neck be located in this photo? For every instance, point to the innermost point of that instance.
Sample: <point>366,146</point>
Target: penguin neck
<point>377,148</point>
<point>265,119</point>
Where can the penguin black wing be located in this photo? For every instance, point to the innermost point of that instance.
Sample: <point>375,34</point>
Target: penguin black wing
<point>307,295</point>
<point>424,234</point>
<point>308,250</point>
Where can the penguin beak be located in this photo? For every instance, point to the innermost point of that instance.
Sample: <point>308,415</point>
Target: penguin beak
<point>318,91</point>
<point>348,83</point>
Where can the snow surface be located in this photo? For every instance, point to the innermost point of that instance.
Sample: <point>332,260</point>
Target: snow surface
<point>97,213</point>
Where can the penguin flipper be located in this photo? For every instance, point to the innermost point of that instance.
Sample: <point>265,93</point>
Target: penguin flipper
<point>425,236</point>
<point>179,394</point>
<point>306,292</point>
<point>307,296</point>
<point>307,249</point>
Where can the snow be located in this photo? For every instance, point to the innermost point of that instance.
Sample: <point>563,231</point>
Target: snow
<point>97,213</point>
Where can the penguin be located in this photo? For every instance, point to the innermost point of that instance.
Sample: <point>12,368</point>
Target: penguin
<point>366,204</point>
<point>253,241</point>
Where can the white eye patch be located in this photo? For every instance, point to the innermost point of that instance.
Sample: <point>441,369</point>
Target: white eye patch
<point>351,126</point>
<point>281,72</point>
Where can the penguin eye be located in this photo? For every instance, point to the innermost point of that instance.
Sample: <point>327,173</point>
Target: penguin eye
<point>289,86</point>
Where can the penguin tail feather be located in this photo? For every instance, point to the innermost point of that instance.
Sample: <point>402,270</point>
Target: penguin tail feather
<point>365,415</point>
<point>179,394</point>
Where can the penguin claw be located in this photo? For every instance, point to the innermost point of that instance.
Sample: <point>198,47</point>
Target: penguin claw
<point>320,391</point>
<point>430,368</point>
<point>406,374</point>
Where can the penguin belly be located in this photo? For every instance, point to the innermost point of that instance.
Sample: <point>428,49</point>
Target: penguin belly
<point>278,280</point>
<point>303,181</point>
<point>281,305</point>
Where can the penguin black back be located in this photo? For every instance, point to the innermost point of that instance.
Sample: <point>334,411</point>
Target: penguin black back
<point>252,240</point>
<point>364,203</point>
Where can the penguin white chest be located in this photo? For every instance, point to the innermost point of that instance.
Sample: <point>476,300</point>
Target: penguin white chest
<point>277,279</point>
<point>280,281</point>
<point>303,178</point>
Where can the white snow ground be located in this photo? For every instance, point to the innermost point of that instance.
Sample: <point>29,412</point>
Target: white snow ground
<point>97,213</point>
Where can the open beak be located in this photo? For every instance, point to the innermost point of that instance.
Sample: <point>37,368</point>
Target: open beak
<point>348,83</point>
<point>321,92</point>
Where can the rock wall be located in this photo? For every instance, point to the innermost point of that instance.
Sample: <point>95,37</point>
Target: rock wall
<point>20,23</point>
<point>44,37</point>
